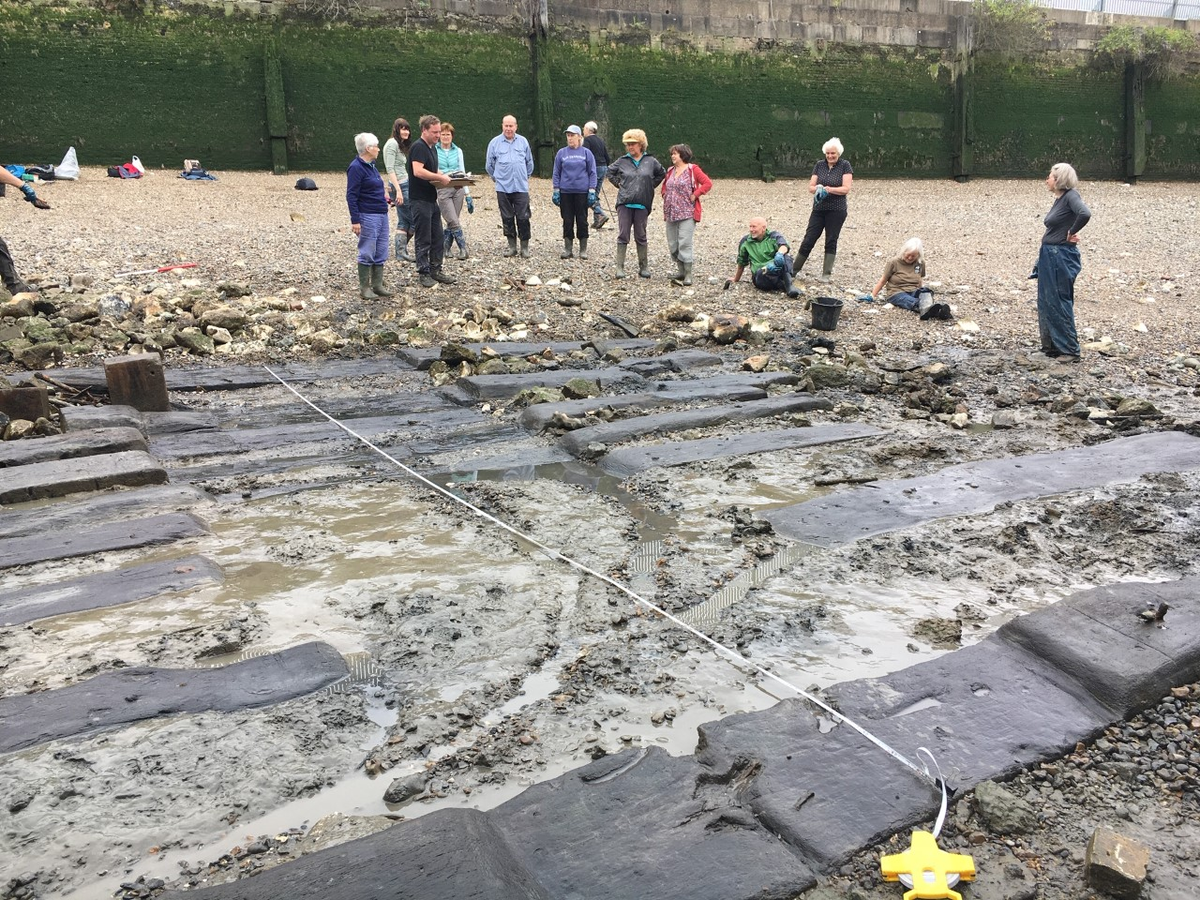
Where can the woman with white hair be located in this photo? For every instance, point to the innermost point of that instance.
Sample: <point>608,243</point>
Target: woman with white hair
<point>831,180</point>
<point>904,277</point>
<point>367,199</point>
<point>1059,264</point>
<point>636,176</point>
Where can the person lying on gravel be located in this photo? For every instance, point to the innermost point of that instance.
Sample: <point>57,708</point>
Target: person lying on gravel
<point>767,255</point>
<point>904,277</point>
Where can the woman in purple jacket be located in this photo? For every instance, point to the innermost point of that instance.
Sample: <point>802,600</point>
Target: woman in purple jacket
<point>367,199</point>
<point>574,183</point>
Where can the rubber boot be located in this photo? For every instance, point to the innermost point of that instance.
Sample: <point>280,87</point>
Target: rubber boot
<point>404,254</point>
<point>583,248</point>
<point>511,249</point>
<point>801,259</point>
<point>364,282</point>
<point>447,243</point>
<point>827,268</point>
<point>926,308</point>
<point>377,282</point>
<point>643,260</point>
<point>461,240</point>
<point>8,271</point>
<point>568,249</point>
<point>684,278</point>
<point>620,272</point>
<point>525,249</point>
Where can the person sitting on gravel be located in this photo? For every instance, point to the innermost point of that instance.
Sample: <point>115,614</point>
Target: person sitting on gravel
<point>767,255</point>
<point>8,271</point>
<point>904,276</point>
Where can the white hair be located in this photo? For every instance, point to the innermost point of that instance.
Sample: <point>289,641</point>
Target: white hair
<point>590,127</point>
<point>1064,177</point>
<point>833,144</point>
<point>913,243</point>
<point>364,140</point>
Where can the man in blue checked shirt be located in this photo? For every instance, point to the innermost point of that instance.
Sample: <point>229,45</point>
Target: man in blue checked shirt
<point>510,163</point>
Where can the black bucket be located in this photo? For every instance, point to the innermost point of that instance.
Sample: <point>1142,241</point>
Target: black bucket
<point>825,312</point>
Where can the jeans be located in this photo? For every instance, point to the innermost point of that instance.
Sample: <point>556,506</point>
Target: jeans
<point>601,173</point>
<point>574,209</point>
<point>679,239</point>
<point>514,214</point>
<point>373,239</point>
<point>831,222</point>
<point>632,218</point>
<point>1058,266</point>
<point>912,301</point>
<point>403,216</point>
<point>427,230</point>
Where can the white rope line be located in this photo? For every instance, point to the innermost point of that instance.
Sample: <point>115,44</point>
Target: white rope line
<point>736,658</point>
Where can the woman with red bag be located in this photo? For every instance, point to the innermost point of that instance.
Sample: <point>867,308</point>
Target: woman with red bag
<point>682,189</point>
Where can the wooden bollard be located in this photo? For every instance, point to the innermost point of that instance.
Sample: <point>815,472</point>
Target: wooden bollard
<point>138,381</point>
<point>30,403</point>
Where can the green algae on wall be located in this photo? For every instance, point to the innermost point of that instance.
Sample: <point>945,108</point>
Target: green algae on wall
<point>1030,115</point>
<point>746,115</point>
<point>1173,128</point>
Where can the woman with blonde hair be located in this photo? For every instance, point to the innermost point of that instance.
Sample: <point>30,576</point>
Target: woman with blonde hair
<point>904,276</point>
<point>1059,265</point>
<point>451,199</point>
<point>636,176</point>
<point>831,180</point>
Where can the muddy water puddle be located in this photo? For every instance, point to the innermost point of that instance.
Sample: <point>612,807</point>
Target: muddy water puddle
<point>384,572</point>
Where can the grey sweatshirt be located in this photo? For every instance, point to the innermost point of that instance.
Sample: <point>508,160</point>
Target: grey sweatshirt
<point>1068,215</point>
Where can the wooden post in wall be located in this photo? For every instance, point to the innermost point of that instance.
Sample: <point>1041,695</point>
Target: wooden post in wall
<point>1135,121</point>
<point>277,127</point>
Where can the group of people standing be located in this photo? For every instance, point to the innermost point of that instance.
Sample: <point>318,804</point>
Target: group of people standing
<point>422,191</point>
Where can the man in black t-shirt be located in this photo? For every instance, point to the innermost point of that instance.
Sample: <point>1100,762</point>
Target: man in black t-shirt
<point>424,179</point>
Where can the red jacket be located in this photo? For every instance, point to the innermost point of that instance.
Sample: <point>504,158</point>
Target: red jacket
<point>703,184</point>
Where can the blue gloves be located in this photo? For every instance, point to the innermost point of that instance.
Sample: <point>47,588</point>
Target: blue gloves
<point>470,204</point>
<point>777,264</point>
<point>32,197</point>
<point>780,259</point>
<point>591,198</point>
<point>820,195</point>
<point>556,198</point>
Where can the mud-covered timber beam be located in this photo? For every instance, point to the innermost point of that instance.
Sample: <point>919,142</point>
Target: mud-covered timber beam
<point>276,106</point>
<point>1135,120</point>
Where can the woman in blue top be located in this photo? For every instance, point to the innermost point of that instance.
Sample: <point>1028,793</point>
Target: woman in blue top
<point>367,200</point>
<point>451,199</point>
<point>574,185</point>
<point>1059,264</point>
<point>830,183</point>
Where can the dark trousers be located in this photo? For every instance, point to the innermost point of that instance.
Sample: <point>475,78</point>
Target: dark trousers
<point>574,209</point>
<point>427,234</point>
<point>831,222</point>
<point>767,280</point>
<point>632,219</point>
<point>8,271</point>
<point>514,214</point>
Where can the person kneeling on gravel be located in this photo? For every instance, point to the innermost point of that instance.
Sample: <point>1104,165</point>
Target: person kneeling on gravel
<point>8,271</point>
<point>767,255</point>
<point>904,276</point>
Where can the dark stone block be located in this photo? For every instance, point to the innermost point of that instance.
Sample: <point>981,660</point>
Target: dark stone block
<point>646,824</point>
<point>136,694</point>
<point>1097,639</point>
<point>42,547</point>
<point>448,855</point>
<point>56,478</point>
<point>977,487</point>
<point>631,460</point>
<point>71,446</point>
<point>106,589</point>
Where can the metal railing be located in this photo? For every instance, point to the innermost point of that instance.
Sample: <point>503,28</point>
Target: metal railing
<point>1161,9</point>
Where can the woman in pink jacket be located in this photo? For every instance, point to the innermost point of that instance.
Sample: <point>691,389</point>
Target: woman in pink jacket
<point>682,189</point>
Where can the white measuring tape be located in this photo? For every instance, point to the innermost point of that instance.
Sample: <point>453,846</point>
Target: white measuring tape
<point>737,659</point>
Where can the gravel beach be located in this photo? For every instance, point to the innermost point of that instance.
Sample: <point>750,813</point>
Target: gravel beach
<point>978,390</point>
